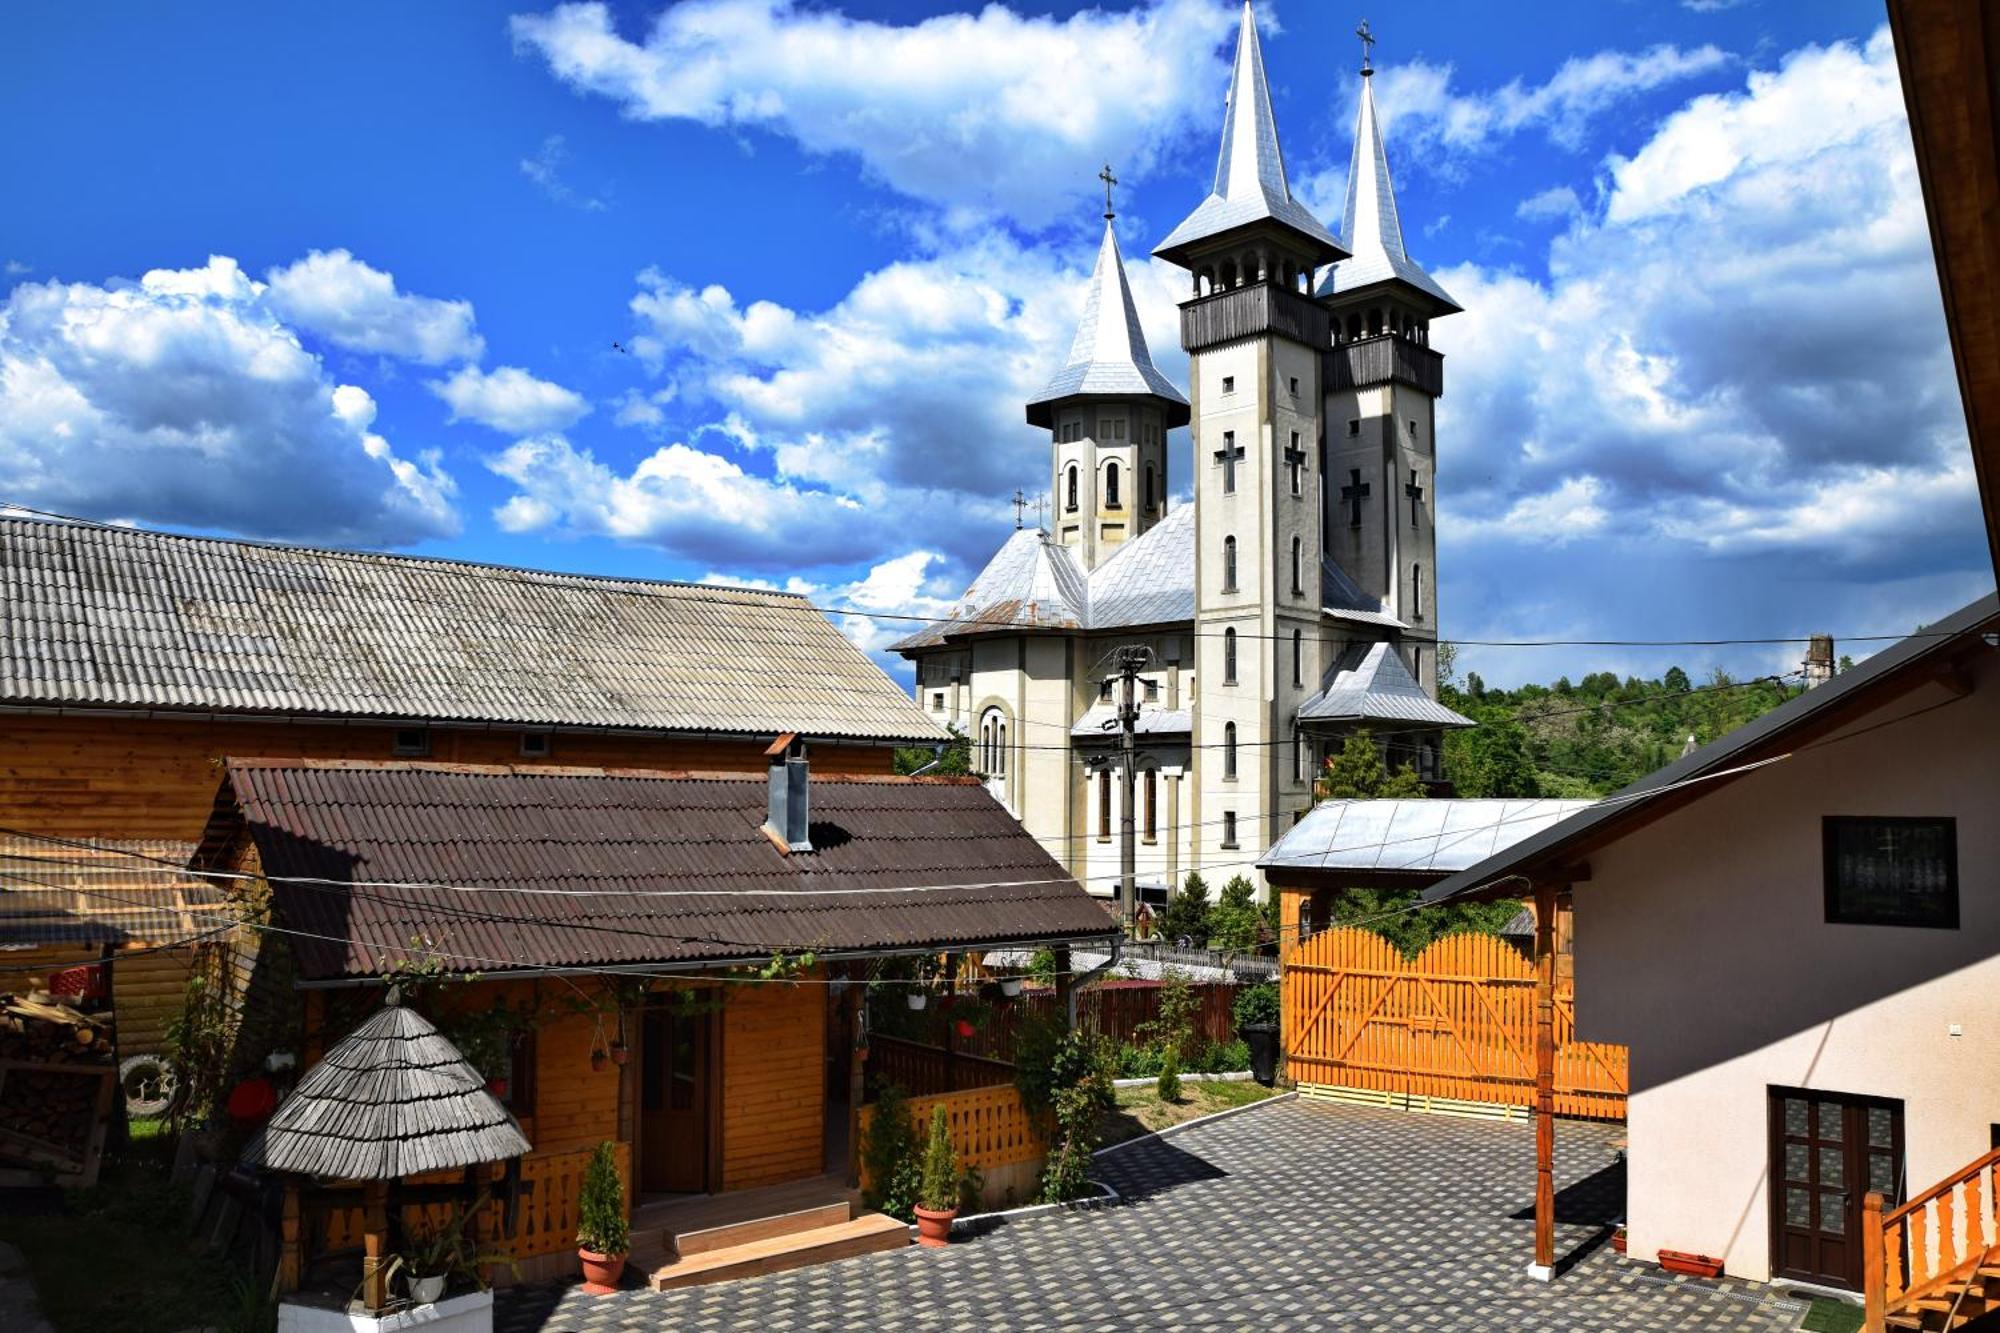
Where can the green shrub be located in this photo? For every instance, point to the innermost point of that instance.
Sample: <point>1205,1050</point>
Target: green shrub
<point>1223,1057</point>
<point>888,1156</point>
<point>1137,1061</point>
<point>940,1189</point>
<point>1234,925</point>
<point>1186,914</point>
<point>1169,1086</point>
<point>601,1225</point>
<point>1076,1112</point>
<point>1256,1004</point>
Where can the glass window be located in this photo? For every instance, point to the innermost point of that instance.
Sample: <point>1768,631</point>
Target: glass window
<point>1104,805</point>
<point>1229,564</point>
<point>1229,657</point>
<point>1111,486</point>
<point>1228,828</point>
<point>1229,384</point>
<point>1891,871</point>
<point>1229,751</point>
<point>1071,499</point>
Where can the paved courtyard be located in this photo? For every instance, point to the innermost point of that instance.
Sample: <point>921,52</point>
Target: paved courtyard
<point>1294,1215</point>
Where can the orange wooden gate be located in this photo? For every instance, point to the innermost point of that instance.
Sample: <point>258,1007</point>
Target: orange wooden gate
<point>1457,1023</point>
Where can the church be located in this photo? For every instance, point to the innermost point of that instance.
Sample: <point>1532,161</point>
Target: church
<point>1293,601</point>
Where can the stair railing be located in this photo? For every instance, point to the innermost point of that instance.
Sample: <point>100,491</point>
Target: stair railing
<point>1946,1230</point>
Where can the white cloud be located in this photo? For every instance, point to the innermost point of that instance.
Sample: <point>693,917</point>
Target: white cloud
<point>342,299</point>
<point>186,399</point>
<point>1739,349</point>
<point>994,112</point>
<point>509,399</point>
<point>545,170</point>
<point>15,268</point>
<point>1556,202</point>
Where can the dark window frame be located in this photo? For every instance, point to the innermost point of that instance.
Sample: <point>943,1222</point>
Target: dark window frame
<point>1837,915</point>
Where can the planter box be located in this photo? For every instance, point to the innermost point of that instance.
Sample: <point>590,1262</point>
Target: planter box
<point>1693,1265</point>
<point>470,1313</point>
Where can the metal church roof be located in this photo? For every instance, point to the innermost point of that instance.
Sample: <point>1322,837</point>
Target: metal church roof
<point>1108,357</point>
<point>1148,580</point>
<point>1250,183</point>
<point>1369,683</point>
<point>1438,836</point>
<point>1373,230</point>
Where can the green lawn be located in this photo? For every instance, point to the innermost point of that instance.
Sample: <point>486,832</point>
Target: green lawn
<point>1140,1110</point>
<point>118,1256</point>
<point>1827,1316</point>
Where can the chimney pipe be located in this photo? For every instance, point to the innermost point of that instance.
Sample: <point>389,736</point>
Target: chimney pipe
<point>788,822</point>
<point>1819,660</point>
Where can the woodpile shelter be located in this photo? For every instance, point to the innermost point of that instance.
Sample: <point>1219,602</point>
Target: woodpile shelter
<point>681,959</point>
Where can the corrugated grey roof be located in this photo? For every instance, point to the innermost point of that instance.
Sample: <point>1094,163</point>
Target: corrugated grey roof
<point>1092,725</point>
<point>1108,357</point>
<point>1945,637</point>
<point>392,1099</point>
<point>1250,183</point>
<point>536,867</point>
<point>95,616</point>
<point>1368,682</point>
<point>1370,225</point>
<point>1414,835</point>
<point>1150,579</point>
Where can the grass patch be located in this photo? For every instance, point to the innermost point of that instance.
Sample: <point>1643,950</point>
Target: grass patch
<point>118,1256</point>
<point>1828,1316</point>
<point>1140,1110</point>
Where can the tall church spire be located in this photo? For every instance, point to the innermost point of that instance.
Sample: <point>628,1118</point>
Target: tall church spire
<point>1370,224</point>
<point>1108,357</point>
<point>1250,184</point>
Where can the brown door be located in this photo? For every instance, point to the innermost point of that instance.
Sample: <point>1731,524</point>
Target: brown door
<point>1827,1151</point>
<point>673,1102</point>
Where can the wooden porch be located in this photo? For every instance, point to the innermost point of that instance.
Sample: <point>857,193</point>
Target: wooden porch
<point>690,1240</point>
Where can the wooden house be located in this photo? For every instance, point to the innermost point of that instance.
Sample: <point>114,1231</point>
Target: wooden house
<point>642,913</point>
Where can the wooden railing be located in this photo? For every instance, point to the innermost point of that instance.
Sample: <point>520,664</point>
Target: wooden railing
<point>990,1127</point>
<point>1925,1246</point>
<point>1385,357</point>
<point>1250,310</point>
<point>923,1071</point>
<point>1455,1023</point>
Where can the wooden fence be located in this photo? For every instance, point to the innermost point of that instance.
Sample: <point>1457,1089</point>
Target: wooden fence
<point>1457,1023</point>
<point>990,1129</point>
<point>924,1071</point>
<point>1116,1008</point>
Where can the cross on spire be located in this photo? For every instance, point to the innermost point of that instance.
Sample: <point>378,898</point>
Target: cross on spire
<point>1109,181</point>
<point>1020,510</point>
<point>1367,49</point>
<point>1354,493</point>
<point>1416,494</point>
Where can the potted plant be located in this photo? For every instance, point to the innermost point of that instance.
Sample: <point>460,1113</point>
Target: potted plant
<point>1011,987</point>
<point>435,1256</point>
<point>603,1233</point>
<point>1257,1023</point>
<point>918,998</point>
<point>937,1194</point>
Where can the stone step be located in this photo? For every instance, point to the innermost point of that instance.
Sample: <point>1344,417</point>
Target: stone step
<point>865,1234</point>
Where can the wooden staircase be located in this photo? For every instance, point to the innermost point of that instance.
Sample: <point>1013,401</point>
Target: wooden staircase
<point>755,1232</point>
<point>1948,1239</point>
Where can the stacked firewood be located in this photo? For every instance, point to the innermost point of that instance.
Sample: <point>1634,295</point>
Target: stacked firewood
<point>49,1105</point>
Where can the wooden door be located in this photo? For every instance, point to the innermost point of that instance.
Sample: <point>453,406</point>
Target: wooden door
<point>674,1090</point>
<point>1827,1151</point>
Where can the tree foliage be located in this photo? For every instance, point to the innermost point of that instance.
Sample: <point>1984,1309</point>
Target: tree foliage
<point>954,758</point>
<point>1233,925</point>
<point>1186,914</point>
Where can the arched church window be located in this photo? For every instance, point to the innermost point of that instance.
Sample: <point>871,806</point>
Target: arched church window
<point>1298,567</point>
<point>1111,486</point>
<point>1298,756</point>
<point>1229,657</point>
<point>1416,592</point>
<point>1070,502</point>
<point>1298,657</point>
<point>1002,770</point>
<point>1229,751</point>
<point>1151,491</point>
<point>1229,564</point>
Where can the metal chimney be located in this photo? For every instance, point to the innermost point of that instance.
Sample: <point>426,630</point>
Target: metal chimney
<point>788,822</point>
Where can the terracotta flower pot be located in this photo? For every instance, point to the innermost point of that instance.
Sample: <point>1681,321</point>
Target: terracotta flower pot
<point>1618,1240</point>
<point>600,1271</point>
<point>934,1228</point>
<point>598,1061</point>
<point>1694,1265</point>
<point>620,1053</point>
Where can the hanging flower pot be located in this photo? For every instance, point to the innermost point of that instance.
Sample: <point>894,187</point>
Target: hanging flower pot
<point>1010,987</point>
<point>918,999</point>
<point>598,1060</point>
<point>252,1101</point>
<point>498,1087</point>
<point>620,1053</point>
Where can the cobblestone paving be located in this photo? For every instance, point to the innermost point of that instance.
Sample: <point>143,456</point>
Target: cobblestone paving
<point>1295,1215</point>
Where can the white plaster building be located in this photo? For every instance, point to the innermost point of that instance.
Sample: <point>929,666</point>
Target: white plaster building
<point>1293,601</point>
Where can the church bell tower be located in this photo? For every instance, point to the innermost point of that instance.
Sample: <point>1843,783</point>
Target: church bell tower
<point>1255,338</point>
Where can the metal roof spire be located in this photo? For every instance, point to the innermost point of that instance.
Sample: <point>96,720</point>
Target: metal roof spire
<point>1370,224</point>
<point>1250,183</point>
<point>1108,357</point>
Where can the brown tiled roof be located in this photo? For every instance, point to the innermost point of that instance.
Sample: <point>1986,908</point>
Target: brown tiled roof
<point>582,867</point>
<point>117,618</point>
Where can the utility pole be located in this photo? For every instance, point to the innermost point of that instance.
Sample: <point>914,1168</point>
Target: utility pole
<point>1131,660</point>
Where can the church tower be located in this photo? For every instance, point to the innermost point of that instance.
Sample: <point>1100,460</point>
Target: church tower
<point>1383,383</point>
<point>1108,412</point>
<point>1255,338</point>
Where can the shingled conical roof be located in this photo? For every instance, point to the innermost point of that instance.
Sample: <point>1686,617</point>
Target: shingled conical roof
<point>1109,357</point>
<point>394,1099</point>
<point>1371,225</point>
<point>1250,183</point>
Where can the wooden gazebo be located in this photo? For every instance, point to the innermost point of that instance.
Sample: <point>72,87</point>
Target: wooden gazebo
<point>392,1100</point>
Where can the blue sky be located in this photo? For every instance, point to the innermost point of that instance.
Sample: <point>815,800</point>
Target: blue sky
<point>738,290</point>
